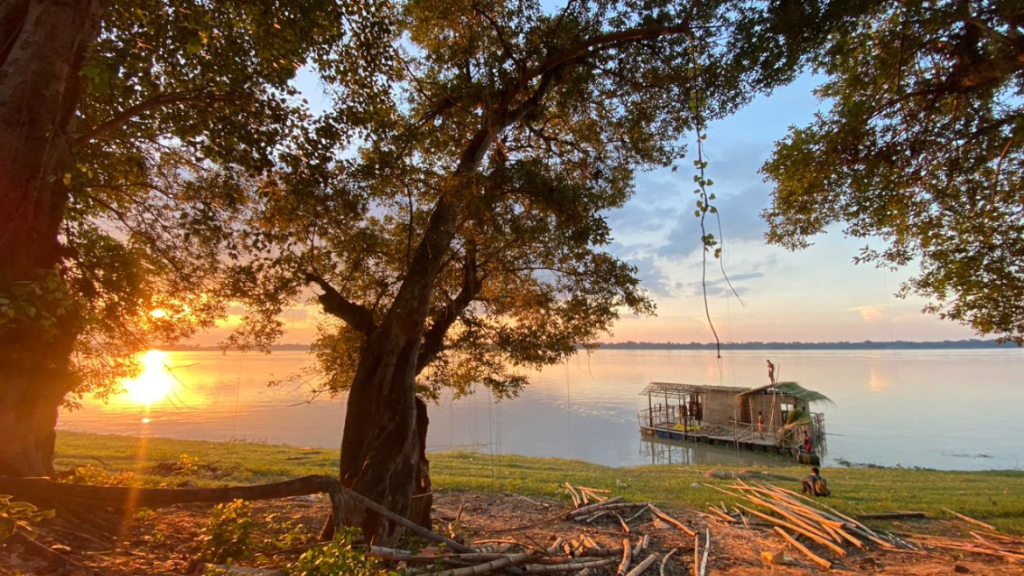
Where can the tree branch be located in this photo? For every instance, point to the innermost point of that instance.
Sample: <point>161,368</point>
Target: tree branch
<point>356,316</point>
<point>146,106</point>
<point>433,339</point>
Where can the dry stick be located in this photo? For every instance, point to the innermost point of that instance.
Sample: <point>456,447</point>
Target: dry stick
<point>670,520</point>
<point>664,560</point>
<point>972,520</point>
<point>814,557</point>
<point>625,527</point>
<point>826,543</point>
<point>590,543</point>
<point>594,490</point>
<point>593,507</point>
<point>639,569</point>
<point>555,547</point>
<point>637,515</point>
<point>488,567</point>
<point>596,516</point>
<point>626,557</point>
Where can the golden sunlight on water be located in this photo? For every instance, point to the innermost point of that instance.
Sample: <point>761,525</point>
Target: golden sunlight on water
<point>155,381</point>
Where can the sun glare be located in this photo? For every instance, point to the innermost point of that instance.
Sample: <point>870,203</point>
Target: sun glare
<point>158,313</point>
<point>154,382</point>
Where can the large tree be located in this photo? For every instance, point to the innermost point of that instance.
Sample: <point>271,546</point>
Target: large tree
<point>922,147</point>
<point>462,237</point>
<point>118,122</point>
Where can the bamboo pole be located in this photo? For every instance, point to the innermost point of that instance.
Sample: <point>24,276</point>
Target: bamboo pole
<point>814,557</point>
<point>696,555</point>
<point>573,494</point>
<point>970,520</point>
<point>826,543</point>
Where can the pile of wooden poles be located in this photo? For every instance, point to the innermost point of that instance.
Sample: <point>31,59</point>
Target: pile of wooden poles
<point>982,539</point>
<point>812,528</point>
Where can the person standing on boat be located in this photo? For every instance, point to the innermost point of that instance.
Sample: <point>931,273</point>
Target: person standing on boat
<point>771,372</point>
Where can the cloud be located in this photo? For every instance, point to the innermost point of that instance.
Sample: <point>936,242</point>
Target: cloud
<point>740,216</point>
<point>652,277</point>
<point>869,313</point>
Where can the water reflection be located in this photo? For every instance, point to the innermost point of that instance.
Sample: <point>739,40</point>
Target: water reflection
<point>907,407</point>
<point>658,451</point>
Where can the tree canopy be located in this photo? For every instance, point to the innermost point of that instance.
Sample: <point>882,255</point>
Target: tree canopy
<point>532,125</point>
<point>923,147</point>
<point>183,104</point>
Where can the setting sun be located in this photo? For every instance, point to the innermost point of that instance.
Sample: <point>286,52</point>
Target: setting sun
<point>154,382</point>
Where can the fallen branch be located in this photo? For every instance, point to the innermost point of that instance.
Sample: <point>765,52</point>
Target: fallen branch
<point>491,566</point>
<point>664,560</point>
<point>970,520</point>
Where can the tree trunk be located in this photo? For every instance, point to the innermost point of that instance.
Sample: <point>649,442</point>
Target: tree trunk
<point>42,47</point>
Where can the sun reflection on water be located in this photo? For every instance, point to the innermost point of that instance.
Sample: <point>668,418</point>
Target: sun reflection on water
<point>155,381</point>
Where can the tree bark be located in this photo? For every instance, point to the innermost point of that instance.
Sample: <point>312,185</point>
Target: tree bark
<point>42,46</point>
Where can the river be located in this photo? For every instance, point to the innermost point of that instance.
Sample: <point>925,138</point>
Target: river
<point>945,409</point>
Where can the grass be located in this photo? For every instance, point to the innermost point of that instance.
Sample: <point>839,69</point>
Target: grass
<point>994,496</point>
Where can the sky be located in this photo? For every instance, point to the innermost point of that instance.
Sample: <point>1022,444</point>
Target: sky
<point>813,295</point>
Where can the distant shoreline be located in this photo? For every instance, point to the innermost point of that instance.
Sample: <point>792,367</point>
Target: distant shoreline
<point>973,344</point>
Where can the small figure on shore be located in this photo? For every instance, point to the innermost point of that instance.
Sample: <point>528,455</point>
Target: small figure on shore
<point>815,485</point>
<point>760,423</point>
<point>807,443</point>
<point>771,372</point>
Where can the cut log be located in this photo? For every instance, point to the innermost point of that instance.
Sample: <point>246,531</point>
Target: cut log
<point>814,557</point>
<point>654,510</point>
<point>627,554</point>
<point>639,569</point>
<point>593,507</point>
<point>625,527</point>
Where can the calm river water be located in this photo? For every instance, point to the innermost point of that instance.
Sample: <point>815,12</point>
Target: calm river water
<point>948,409</point>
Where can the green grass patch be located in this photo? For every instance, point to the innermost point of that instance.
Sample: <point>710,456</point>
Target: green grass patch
<point>994,496</point>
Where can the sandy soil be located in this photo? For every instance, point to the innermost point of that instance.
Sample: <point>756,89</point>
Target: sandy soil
<point>167,541</point>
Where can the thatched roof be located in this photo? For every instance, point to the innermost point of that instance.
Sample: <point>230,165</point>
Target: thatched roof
<point>791,389</point>
<point>679,389</point>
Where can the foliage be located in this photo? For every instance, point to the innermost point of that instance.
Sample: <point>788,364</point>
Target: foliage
<point>18,515</point>
<point>94,476</point>
<point>183,103</point>
<point>507,134</point>
<point>230,533</point>
<point>337,557</point>
<point>923,147</point>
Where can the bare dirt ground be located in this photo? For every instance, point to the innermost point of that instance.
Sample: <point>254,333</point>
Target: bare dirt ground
<point>168,541</point>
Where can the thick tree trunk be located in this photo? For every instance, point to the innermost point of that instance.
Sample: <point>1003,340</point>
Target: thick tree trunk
<point>42,47</point>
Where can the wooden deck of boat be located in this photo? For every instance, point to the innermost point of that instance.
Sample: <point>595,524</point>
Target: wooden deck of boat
<point>740,438</point>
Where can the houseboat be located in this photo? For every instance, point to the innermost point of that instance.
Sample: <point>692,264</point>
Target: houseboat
<point>774,418</point>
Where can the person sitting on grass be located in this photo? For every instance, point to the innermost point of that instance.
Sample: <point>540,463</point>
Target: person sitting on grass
<point>815,484</point>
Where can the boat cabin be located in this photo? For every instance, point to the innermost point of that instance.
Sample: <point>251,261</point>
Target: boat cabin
<point>772,417</point>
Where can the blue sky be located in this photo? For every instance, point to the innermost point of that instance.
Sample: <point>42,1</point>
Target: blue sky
<point>817,294</point>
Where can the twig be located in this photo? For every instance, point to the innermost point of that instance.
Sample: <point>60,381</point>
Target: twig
<point>664,560</point>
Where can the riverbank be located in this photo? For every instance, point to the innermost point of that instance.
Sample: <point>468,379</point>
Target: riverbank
<point>996,497</point>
